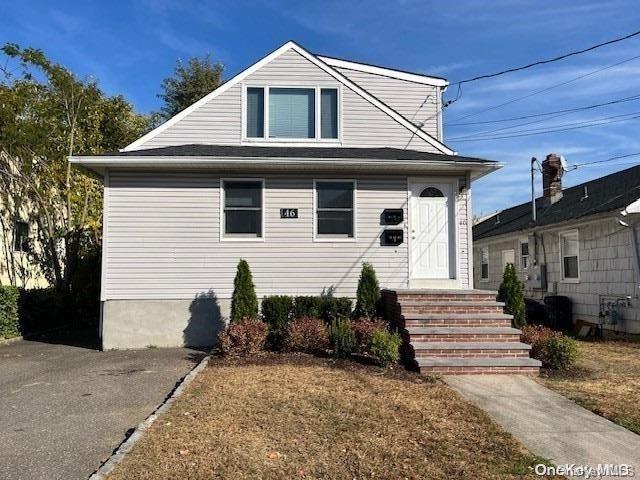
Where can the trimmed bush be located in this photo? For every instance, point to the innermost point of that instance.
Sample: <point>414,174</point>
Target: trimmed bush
<point>363,328</point>
<point>385,346</point>
<point>511,292</point>
<point>368,294</point>
<point>334,308</point>
<point>244,302</point>
<point>9,320</point>
<point>245,337</point>
<point>307,334</point>
<point>559,352</point>
<point>276,312</point>
<point>307,306</point>
<point>555,350</point>
<point>342,339</point>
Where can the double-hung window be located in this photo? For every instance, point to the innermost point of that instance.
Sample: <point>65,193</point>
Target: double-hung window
<point>335,209</point>
<point>242,209</point>
<point>569,257</point>
<point>291,113</point>
<point>484,263</point>
<point>524,254</point>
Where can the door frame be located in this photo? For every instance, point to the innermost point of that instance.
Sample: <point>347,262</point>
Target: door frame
<point>454,274</point>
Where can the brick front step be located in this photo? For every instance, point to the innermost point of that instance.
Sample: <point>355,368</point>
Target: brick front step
<point>480,370</point>
<point>461,334</point>
<point>451,307</point>
<point>456,319</point>
<point>475,365</point>
<point>480,297</point>
<point>470,349</point>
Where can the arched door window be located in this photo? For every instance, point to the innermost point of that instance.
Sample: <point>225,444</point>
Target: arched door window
<point>431,192</point>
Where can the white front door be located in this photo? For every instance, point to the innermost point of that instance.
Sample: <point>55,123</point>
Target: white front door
<point>432,244</point>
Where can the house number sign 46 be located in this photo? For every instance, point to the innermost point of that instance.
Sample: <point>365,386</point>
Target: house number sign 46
<point>288,213</point>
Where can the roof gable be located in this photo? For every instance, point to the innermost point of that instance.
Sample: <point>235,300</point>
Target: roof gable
<point>289,46</point>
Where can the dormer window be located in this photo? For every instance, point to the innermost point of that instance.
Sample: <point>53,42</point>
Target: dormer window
<point>291,113</point>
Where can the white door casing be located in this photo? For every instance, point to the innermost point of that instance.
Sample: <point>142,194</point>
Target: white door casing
<point>432,229</point>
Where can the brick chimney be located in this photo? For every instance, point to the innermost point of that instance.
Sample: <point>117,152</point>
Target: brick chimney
<point>552,178</point>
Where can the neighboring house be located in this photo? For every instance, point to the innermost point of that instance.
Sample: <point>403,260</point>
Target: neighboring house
<point>16,241</point>
<point>583,245</point>
<point>303,165</point>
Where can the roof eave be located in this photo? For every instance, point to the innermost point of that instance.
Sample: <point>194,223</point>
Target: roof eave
<point>286,164</point>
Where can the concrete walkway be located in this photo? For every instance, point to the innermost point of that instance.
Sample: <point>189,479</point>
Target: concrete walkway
<point>549,424</point>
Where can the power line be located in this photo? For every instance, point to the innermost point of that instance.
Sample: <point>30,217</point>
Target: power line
<point>535,115</point>
<point>527,130</point>
<point>549,60</point>
<point>541,131</point>
<point>610,159</point>
<point>546,89</point>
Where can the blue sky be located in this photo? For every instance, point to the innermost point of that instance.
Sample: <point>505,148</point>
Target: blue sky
<point>131,46</point>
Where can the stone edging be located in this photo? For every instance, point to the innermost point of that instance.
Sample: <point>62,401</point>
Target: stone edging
<point>125,447</point>
<point>7,341</point>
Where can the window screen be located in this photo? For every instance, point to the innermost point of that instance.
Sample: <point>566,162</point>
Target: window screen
<point>243,208</point>
<point>335,208</point>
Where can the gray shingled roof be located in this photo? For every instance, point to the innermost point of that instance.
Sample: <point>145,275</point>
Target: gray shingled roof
<point>606,194</point>
<point>294,152</point>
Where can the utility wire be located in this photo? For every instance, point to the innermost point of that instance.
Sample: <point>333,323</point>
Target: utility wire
<point>549,60</point>
<point>546,89</point>
<point>543,114</point>
<point>487,133</point>
<point>541,131</point>
<point>611,159</point>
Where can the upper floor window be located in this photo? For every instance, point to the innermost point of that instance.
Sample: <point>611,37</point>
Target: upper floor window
<point>21,236</point>
<point>291,113</point>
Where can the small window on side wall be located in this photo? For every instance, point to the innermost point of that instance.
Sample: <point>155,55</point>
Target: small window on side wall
<point>524,254</point>
<point>569,255</point>
<point>484,263</point>
<point>335,208</point>
<point>242,213</point>
<point>255,112</point>
<point>21,236</point>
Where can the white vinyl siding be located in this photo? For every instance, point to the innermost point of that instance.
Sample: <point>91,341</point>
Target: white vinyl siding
<point>163,238</point>
<point>417,102</point>
<point>219,121</point>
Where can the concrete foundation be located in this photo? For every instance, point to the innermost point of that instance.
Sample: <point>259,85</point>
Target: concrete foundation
<point>128,324</point>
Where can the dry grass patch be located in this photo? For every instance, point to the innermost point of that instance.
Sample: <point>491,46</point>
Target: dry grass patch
<point>297,416</point>
<point>605,381</point>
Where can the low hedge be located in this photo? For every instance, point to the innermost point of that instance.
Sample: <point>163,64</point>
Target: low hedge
<point>9,318</point>
<point>555,350</point>
<point>276,313</point>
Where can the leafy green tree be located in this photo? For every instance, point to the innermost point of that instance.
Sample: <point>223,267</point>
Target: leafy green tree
<point>46,115</point>
<point>189,83</point>
<point>511,292</point>
<point>368,293</point>
<point>244,302</point>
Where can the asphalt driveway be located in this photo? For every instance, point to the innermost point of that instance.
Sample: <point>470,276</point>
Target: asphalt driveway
<point>63,408</point>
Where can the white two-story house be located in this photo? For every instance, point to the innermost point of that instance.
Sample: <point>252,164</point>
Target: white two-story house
<point>303,165</point>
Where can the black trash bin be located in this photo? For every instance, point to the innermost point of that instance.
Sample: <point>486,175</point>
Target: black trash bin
<point>559,312</point>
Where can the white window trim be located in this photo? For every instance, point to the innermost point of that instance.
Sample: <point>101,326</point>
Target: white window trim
<point>329,238</point>
<point>520,243</point>
<point>299,142</point>
<point>224,238</point>
<point>482,249</point>
<point>561,235</point>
